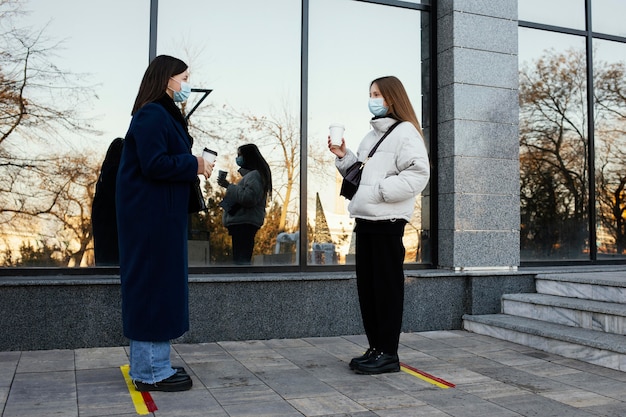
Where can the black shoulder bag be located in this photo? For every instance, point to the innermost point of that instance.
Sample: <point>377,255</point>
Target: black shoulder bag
<point>352,179</point>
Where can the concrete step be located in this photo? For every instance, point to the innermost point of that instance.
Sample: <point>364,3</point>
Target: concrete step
<point>605,286</point>
<point>600,348</point>
<point>588,314</point>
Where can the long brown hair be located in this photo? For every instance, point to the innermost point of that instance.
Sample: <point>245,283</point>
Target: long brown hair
<point>397,99</point>
<point>154,82</point>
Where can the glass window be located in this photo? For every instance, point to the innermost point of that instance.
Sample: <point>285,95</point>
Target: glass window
<point>248,53</point>
<point>610,147</point>
<point>553,146</point>
<point>345,54</point>
<point>565,13</point>
<point>68,84</point>
<point>604,14</point>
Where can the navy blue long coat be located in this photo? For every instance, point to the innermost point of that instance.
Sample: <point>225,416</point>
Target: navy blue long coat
<point>152,198</point>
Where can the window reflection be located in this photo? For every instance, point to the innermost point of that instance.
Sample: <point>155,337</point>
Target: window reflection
<point>604,14</point>
<point>610,147</point>
<point>79,85</point>
<point>252,65</point>
<point>565,13</point>
<point>553,146</point>
<point>346,52</point>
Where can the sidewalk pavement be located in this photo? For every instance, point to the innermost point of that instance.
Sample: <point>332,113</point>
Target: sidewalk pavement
<point>310,377</point>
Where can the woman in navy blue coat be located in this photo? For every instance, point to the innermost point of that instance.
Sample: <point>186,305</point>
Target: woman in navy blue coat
<point>156,173</point>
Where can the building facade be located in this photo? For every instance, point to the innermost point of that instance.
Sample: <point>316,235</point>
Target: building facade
<point>523,105</point>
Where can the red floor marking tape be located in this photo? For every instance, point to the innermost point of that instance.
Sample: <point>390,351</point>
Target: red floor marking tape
<point>147,398</point>
<point>442,383</point>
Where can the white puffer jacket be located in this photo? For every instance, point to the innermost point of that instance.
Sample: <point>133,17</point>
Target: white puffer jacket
<point>397,172</point>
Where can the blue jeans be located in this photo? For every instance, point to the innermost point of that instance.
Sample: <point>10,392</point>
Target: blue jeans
<point>150,361</point>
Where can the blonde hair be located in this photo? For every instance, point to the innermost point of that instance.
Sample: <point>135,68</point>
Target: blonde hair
<point>397,99</point>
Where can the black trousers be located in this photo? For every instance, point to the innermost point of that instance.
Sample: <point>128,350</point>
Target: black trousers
<point>380,281</point>
<point>242,236</point>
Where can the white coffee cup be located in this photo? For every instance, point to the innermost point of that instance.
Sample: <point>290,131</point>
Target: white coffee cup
<point>209,155</point>
<point>336,133</point>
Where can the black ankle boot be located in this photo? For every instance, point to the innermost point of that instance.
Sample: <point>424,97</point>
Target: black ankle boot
<point>379,363</point>
<point>360,359</point>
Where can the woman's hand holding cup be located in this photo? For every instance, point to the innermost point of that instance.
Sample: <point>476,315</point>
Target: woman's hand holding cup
<point>204,167</point>
<point>336,143</point>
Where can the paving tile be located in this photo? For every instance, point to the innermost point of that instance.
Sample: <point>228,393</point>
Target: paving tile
<point>618,410</point>
<point>536,405</point>
<point>201,352</point>
<point>46,361</point>
<point>94,358</point>
<point>42,394</point>
<point>8,365</point>
<point>295,383</point>
<point>492,389</point>
<point>193,403</point>
<point>224,374</point>
<point>326,405</point>
<point>241,394</point>
<point>368,390</point>
<point>102,392</point>
<point>4,394</point>
<point>461,404</point>
<point>262,409</point>
<point>579,398</point>
<point>421,411</point>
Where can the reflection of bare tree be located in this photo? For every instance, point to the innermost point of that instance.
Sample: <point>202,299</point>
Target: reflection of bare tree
<point>554,152</point>
<point>57,195</point>
<point>37,98</point>
<point>610,131</point>
<point>40,103</point>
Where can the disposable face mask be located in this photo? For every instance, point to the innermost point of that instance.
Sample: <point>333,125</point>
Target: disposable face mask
<point>239,161</point>
<point>183,94</point>
<point>376,107</point>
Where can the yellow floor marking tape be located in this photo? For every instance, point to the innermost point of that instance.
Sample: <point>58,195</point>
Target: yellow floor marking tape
<point>140,404</point>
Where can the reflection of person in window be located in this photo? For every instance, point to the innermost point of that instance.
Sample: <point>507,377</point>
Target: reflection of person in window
<point>384,202</point>
<point>156,175</point>
<point>244,202</point>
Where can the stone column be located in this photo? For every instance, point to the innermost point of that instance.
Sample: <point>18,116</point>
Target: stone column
<point>478,144</point>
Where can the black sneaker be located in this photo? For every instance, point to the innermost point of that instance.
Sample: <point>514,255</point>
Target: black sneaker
<point>177,382</point>
<point>380,363</point>
<point>360,359</point>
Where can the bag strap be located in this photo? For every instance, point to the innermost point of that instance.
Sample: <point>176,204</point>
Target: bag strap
<point>380,140</point>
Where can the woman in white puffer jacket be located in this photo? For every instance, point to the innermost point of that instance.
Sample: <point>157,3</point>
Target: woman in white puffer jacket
<point>384,202</point>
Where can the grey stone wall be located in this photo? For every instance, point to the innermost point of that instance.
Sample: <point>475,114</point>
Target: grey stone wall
<point>478,141</point>
<point>69,312</point>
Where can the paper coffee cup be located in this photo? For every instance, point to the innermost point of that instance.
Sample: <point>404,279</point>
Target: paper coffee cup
<point>209,155</point>
<point>336,133</point>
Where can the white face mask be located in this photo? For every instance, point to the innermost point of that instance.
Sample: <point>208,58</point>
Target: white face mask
<point>376,106</point>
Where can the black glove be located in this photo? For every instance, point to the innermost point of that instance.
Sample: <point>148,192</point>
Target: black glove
<point>222,182</point>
